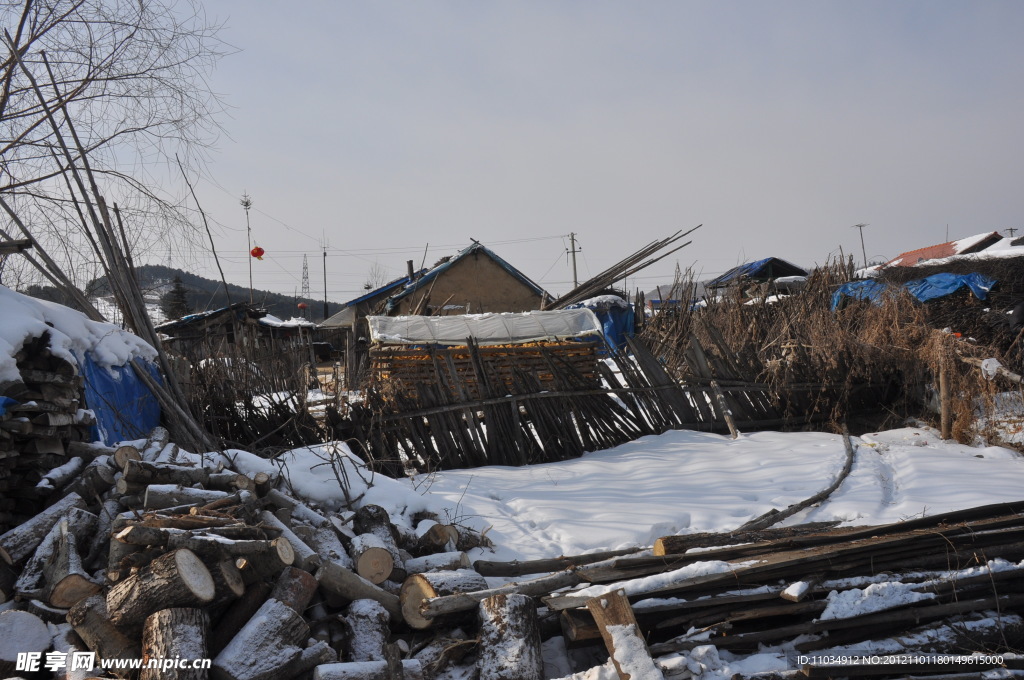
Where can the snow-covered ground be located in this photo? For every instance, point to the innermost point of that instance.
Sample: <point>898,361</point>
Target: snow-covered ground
<point>676,483</point>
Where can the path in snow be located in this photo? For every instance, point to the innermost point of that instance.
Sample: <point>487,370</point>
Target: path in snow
<point>682,482</point>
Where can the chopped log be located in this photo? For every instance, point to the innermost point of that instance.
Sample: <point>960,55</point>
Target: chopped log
<point>227,580</point>
<point>265,647</point>
<point>178,579</point>
<point>419,588</point>
<point>98,546</point>
<point>329,547</point>
<point>441,651</point>
<point>367,670</point>
<point>163,496</point>
<point>142,472</point>
<point>48,613</point>
<point>268,562</point>
<point>90,620</point>
<point>367,625</point>
<point>118,550</point>
<point>468,600</point>
<point>305,557</point>
<point>125,453</point>
<point>315,655</point>
<point>346,584</point>
<point>230,481</point>
<point>263,483</point>
<point>30,582</point>
<point>295,588</point>
<point>510,646</point>
<point>58,477</point>
<point>437,538</point>
<point>23,633</point>
<point>299,510</point>
<point>171,634</point>
<point>67,582</point>
<point>21,541</point>
<point>372,558</point>
<point>237,615</point>
<point>621,634</point>
<point>445,561</point>
<point>95,480</point>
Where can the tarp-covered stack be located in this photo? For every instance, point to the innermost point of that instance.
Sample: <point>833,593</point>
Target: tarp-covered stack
<point>64,381</point>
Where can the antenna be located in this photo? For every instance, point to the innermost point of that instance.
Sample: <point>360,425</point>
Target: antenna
<point>862,248</point>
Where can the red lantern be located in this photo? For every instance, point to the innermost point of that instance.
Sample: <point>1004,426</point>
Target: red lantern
<point>303,305</point>
<point>257,252</point>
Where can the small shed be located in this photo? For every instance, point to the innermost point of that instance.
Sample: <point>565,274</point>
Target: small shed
<point>758,271</point>
<point>511,348</point>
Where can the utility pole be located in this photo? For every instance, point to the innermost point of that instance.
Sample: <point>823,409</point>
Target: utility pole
<point>325,281</point>
<point>573,250</point>
<point>247,203</point>
<point>1012,230</point>
<point>306,312</point>
<point>863,250</point>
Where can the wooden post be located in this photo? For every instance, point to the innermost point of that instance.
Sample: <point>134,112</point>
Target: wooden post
<point>621,634</point>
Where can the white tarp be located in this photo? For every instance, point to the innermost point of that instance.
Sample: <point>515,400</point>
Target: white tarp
<point>485,329</point>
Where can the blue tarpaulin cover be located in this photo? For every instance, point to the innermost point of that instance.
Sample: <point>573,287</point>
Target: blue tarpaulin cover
<point>928,288</point>
<point>125,408</point>
<point>616,317</point>
<point>5,403</point>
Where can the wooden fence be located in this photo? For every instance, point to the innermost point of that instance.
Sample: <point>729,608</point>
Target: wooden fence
<point>472,406</point>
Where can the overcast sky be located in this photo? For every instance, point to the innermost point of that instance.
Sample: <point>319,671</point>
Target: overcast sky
<point>394,129</point>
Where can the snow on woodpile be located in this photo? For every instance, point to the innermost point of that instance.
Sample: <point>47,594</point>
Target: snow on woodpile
<point>71,333</point>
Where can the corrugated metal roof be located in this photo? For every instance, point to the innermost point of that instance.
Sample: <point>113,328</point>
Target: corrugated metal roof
<point>965,246</point>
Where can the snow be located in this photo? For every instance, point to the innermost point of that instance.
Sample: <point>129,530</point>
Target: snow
<point>875,598</point>
<point>71,334</point>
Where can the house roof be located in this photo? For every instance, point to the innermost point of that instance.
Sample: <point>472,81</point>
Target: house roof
<point>476,248</point>
<point>965,246</point>
<point>767,268</point>
<point>386,288</point>
<point>240,309</point>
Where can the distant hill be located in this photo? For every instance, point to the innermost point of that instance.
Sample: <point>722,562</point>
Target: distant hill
<point>203,294</point>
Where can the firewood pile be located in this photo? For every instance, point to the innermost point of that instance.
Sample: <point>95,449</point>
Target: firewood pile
<point>166,555</point>
<point>42,434</point>
<point>144,554</point>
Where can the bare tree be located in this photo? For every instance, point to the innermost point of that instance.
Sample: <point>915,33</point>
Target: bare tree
<point>117,87</point>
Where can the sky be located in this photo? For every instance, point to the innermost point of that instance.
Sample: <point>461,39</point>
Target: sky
<point>394,131</point>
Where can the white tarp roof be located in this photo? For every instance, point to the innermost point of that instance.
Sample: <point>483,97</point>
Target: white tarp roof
<point>485,329</point>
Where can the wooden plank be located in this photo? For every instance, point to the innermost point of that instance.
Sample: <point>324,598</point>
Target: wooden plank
<point>621,633</point>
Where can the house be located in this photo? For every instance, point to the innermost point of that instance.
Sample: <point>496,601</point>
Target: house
<point>966,246</point>
<point>474,281</point>
<point>240,324</point>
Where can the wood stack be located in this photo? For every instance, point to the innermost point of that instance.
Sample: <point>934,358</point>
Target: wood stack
<point>41,431</point>
<point>162,554</point>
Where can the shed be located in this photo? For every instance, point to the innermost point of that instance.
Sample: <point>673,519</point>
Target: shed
<point>758,271</point>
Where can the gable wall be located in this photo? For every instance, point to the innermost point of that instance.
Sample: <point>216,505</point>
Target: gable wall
<point>477,284</point>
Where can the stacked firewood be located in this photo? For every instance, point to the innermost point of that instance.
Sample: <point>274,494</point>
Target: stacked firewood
<point>149,552</point>
<point>42,430</point>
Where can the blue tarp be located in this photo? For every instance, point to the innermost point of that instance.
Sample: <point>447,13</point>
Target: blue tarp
<point>616,320</point>
<point>928,288</point>
<point>125,408</point>
<point>769,267</point>
<point>5,403</point>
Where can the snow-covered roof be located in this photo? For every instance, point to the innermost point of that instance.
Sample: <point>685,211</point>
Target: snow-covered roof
<point>485,329</point>
<point>942,251</point>
<point>294,322</point>
<point>71,334</point>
